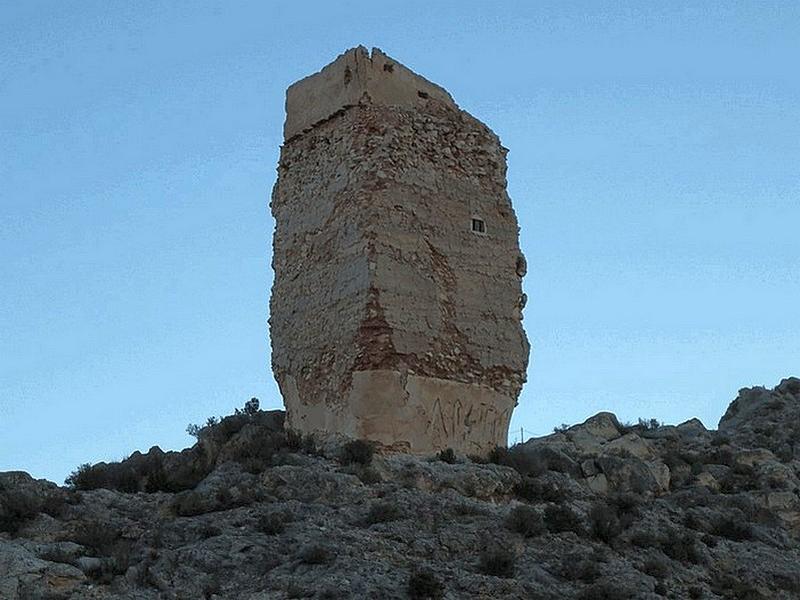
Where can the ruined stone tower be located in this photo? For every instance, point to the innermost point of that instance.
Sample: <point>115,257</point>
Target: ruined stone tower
<point>396,307</point>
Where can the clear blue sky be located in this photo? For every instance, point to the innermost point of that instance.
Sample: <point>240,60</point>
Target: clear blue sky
<point>654,164</point>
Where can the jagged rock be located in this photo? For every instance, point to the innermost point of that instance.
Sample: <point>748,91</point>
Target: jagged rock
<point>603,425</point>
<point>24,576</point>
<point>630,444</point>
<point>762,418</point>
<point>692,427</point>
<point>646,513</point>
<point>590,436</point>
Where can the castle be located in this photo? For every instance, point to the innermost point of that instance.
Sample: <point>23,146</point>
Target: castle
<point>395,312</point>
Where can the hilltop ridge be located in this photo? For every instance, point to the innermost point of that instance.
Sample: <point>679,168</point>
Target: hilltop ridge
<point>599,510</point>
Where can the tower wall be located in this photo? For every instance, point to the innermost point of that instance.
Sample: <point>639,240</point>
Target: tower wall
<point>391,318</point>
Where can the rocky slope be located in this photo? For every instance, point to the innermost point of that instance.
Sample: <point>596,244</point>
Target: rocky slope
<point>599,510</point>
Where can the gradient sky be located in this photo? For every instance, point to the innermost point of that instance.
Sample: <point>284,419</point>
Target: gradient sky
<point>654,165</point>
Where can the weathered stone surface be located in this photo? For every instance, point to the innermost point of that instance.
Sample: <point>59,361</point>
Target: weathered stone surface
<point>353,78</point>
<point>392,319</point>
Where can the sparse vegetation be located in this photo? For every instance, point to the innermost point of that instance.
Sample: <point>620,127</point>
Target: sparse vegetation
<point>733,528</point>
<point>382,512</point>
<point>424,585</point>
<point>580,567</point>
<point>536,491</point>
<point>604,522</point>
<point>655,568</point>
<point>111,476</point>
<point>497,561</point>
<point>316,554</point>
<point>641,426</point>
<point>447,455</point>
<point>559,519</point>
<point>604,591</point>
<point>682,547</point>
<point>357,452</point>
<point>525,521</point>
<point>17,507</point>
<point>271,523</point>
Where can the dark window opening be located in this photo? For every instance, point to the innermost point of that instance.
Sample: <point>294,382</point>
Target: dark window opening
<point>422,94</point>
<point>478,226</point>
<point>388,67</point>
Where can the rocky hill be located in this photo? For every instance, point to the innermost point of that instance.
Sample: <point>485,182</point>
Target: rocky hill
<point>600,510</point>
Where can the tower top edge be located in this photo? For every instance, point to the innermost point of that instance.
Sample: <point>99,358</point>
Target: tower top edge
<point>355,76</point>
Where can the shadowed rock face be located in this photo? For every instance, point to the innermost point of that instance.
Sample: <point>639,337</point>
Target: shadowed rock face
<point>396,307</point>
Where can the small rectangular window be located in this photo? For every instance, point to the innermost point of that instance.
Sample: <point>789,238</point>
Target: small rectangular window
<point>478,226</point>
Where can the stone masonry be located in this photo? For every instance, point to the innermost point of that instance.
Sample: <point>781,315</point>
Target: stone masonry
<point>396,306</point>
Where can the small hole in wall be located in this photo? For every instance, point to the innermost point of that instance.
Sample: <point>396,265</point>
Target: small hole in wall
<point>478,225</point>
<point>422,94</point>
<point>348,75</point>
<point>388,67</point>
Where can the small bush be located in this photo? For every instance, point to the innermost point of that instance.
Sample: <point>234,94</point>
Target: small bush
<point>97,536</point>
<point>294,440</point>
<point>604,522</point>
<point>315,554</point>
<point>83,478</point>
<point>368,475</point>
<point>497,562</point>
<point>447,455</point>
<point>424,585</point>
<point>645,539</point>
<point>649,424</point>
<point>111,476</point>
<point>681,547</point>
<point>251,407</point>
<point>383,512</point>
<point>731,587</point>
<point>577,567</point>
<point>655,568</point>
<point>296,590</point>
<point>310,445</point>
<point>525,521</point>
<point>256,453</point>
<point>358,452</point>
<point>604,591</point>
<point>533,490</point>
<point>733,529</point>
<point>561,519</point>
<point>741,478</point>
<point>642,426</point>
<point>16,508</point>
<point>627,505</point>
<point>271,524</point>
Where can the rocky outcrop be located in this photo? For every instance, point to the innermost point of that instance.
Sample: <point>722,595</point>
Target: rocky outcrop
<point>597,510</point>
<point>395,313</point>
<point>765,418</point>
